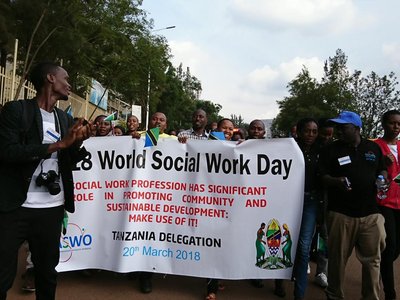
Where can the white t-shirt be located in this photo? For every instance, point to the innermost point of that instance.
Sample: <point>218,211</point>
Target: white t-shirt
<point>39,196</point>
<point>393,149</point>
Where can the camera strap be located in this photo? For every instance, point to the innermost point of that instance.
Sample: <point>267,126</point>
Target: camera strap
<point>59,130</point>
<point>57,122</point>
<point>41,168</point>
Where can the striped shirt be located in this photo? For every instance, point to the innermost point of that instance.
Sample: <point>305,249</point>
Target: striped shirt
<point>191,134</point>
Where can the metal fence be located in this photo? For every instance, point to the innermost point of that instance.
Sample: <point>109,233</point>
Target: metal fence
<point>81,107</point>
<point>9,85</point>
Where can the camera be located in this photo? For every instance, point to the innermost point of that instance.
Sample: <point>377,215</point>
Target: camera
<point>50,180</point>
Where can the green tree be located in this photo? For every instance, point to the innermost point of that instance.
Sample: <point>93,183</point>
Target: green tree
<point>175,102</point>
<point>147,79</point>
<point>336,84</point>
<point>305,100</point>
<point>191,84</point>
<point>110,41</point>
<point>238,121</point>
<point>374,95</point>
<point>180,99</point>
<point>338,90</point>
<point>89,37</point>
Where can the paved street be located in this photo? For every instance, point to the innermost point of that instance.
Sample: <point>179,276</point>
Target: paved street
<point>110,286</point>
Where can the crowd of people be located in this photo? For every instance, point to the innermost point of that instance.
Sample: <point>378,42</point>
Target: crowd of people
<point>341,209</point>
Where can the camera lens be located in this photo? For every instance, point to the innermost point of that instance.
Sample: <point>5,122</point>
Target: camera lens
<point>54,188</point>
<point>50,181</point>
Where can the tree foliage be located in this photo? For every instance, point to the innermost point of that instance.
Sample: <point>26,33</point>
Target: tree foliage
<point>180,99</point>
<point>191,85</point>
<point>336,83</point>
<point>108,40</point>
<point>374,95</point>
<point>238,121</point>
<point>89,37</point>
<point>338,90</point>
<point>304,100</point>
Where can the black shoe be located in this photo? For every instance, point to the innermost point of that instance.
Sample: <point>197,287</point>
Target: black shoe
<point>146,285</point>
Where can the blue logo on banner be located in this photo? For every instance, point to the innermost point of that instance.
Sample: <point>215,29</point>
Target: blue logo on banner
<point>76,239</point>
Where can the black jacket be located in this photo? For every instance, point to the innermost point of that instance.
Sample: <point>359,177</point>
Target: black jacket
<point>21,150</point>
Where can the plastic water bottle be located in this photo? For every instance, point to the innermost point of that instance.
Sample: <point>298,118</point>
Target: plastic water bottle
<point>381,187</point>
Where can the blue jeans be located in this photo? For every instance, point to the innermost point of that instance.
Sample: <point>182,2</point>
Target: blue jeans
<point>310,209</point>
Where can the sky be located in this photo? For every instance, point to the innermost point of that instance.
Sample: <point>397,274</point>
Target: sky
<point>245,52</point>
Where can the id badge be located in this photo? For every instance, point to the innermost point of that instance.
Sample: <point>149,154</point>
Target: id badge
<point>345,160</point>
<point>52,135</point>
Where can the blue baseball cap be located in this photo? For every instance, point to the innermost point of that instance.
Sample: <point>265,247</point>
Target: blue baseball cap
<point>348,117</point>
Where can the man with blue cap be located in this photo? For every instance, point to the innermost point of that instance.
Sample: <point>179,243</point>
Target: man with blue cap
<point>349,168</point>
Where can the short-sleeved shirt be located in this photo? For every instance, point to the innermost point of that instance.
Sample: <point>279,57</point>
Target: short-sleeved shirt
<point>361,165</point>
<point>192,135</point>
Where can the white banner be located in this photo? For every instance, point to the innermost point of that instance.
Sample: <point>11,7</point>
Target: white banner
<point>188,209</point>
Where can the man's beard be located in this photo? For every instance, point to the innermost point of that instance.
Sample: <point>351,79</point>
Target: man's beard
<point>197,127</point>
<point>63,97</point>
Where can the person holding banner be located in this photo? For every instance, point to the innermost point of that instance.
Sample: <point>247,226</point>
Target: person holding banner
<point>257,131</point>
<point>157,120</point>
<point>132,125</point>
<point>320,240</point>
<point>103,126</point>
<point>349,168</point>
<point>39,146</point>
<point>226,126</point>
<point>118,130</point>
<point>307,132</point>
<point>211,127</point>
<point>390,206</point>
<point>198,130</point>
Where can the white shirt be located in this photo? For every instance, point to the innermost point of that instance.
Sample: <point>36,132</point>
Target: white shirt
<point>393,149</point>
<point>39,196</point>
